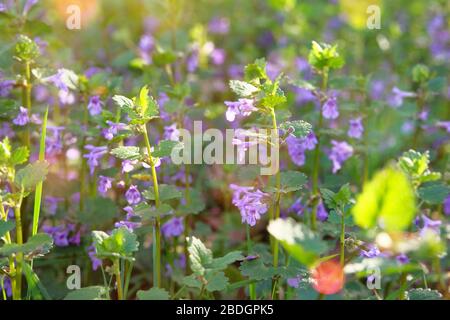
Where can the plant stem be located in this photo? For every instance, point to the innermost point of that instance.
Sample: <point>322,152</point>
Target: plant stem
<point>12,268</point>
<point>26,100</point>
<point>316,168</point>
<point>157,224</point>
<point>420,107</point>
<point>118,279</point>
<point>251,287</point>
<point>342,239</point>
<point>19,241</point>
<point>276,208</point>
<point>365,173</point>
<point>186,218</point>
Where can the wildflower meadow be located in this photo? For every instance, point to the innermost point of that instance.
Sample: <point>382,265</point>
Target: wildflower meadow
<point>224,150</point>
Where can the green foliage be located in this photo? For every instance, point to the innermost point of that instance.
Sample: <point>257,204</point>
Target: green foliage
<point>6,226</point>
<point>415,165</point>
<point>36,246</point>
<point>19,156</point>
<point>166,192</point>
<point>300,242</point>
<point>290,181</point>
<point>196,205</point>
<point>121,243</point>
<point>98,211</point>
<point>388,199</point>
<point>26,49</point>
<point>297,128</point>
<point>89,293</point>
<point>242,88</point>
<point>28,177</point>
<point>141,109</point>
<point>324,56</point>
<point>337,200</point>
<point>423,294</point>
<point>165,148</point>
<point>153,294</point>
<point>36,289</point>
<point>420,73</point>
<point>433,192</point>
<point>127,153</point>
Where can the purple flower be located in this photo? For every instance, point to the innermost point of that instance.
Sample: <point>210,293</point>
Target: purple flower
<point>54,141</point>
<point>66,97</point>
<point>340,152</point>
<point>95,153</point>
<point>242,141</point>
<point>250,202</point>
<point>377,89</point>
<point>243,107</point>
<point>133,195</point>
<point>6,281</point>
<point>310,141</point>
<point>5,87</point>
<point>96,262</point>
<point>321,214</point>
<point>22,118</point>
<point>172,133</point>
<point>192,61</point>
<point>58,80</point>
<point>95,105</point>
<point>28,5</point>
<point>173,228</point>
<point>63,235</point>
<point>427,224</point>
<point>371,253</point>
<point>330,108</point>
<point>130,225</point>
<point>218,56</point>
<point>294,282</point>
<point>402,258</point>
<point>219,25</point>
<point>447,205</point>
<point>113,129</point>
<point>104,184</point>
<point>395,100</point>
<point>51,204</point>
<point>296,150</point>
<point>128,165</point>
<point>356,128</point>
<point>146,46</point>
<point>297,207</point>
<point>444,125</point>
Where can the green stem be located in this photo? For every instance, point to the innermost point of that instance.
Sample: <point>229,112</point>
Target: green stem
<point>365,174</point>
<point>420,107</point>
<point>118,279</point>
<point>128,269</point>
<point>12,267</point>
<point>316,168</point>
<point>252,286</point>
<point>157,224</point>
<point>19,241</point>
<point>276,207</point>
<point>342,239</point>
<point>26,100</point>
<point>186,218</point>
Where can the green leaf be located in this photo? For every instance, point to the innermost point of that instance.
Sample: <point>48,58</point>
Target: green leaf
<point>127,153</point>
<point>31,175</point>
<point>153,294</point>
<point>290,181</point>
<point>302,84</point>
<point>123,102</point>
<point>337,200</point>
<point>163,58</point>
<point>121,243</point>
<point>166,192</point>
<point>199,256</point>
<point>423,294</point>
<point>223,262</point>
<point>37,245</point>
<point>196,205</point>
<point>242,88</point>
<point>300,242</point>
<point>297,128</point>
<point>216,281</point>
<point>5,150</point>
<point>192,281</point>
<point>415,165</point>
<point>19,156</point>
<point>98,211</point>
<point>26,49</point>
<point>324,56</point>
<point>388,199</point>
<point>147,212</point>
<point>148,106</point>
<point>256,70</point>
<point>6,226</point>
<point>335,218</point>
<point>165,148</point>
<point>36,289</point>
<point>89,293</point>
<point>256,270</point>
<point>437,84</point>
<point>433,192</point>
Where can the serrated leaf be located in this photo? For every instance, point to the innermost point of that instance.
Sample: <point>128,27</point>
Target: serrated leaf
<point>6,226</point>
<point>121,243</point>
<point>147,212</point>
<point>256,270</point>
<point>433,192</point>
<point>256,70</point>
<point>19,156</point>
<point>290,181</point>
<point>223,262</point>
<point>165,148</point>
<point>302,84</point>
<point>242,88</point>
<point>301,243</point>
<point>123,102</point>
<point>388,199</point>
<point>127,153</point>
<point>89,293</point>
<point>166,192</point>
<point>196,205</point>
<point>337,200</point>
<point>153,294</point>
<point>297,128</point>
<point>38,244</point>
<point>31,175</point>
<point>192,281</point>
<point>216,281</point>
<point>423,294</point>
<point>98,211</point>
<point>199,256</point>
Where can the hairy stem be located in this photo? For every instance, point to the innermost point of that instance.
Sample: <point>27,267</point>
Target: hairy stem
<point>157,224</point>
<point>118,279</point>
